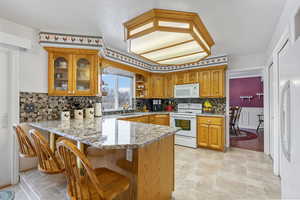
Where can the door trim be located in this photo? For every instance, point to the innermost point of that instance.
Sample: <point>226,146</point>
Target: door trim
<point>12,45</point>
<point>13,109</point>
<point>261,71</point>
<point>280,45</point>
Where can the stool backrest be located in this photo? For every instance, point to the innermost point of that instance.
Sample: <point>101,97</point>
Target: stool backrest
<point>26,147</point>
<point>48,162</point>
<point>80,180</point>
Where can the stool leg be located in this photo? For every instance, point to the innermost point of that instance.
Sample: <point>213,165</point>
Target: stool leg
<point>80,146</point>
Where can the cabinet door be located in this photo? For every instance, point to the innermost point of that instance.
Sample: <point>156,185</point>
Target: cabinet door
<point>192,77</point>
<point>157,82</point>
<point>60,74</point>
<point>215,137</point>
<point>84,74</point>
<point>217,83</point>
<point>143,119</point>
<point>202,135</point>
<point>204,80</point>
<point>162,120</point>
<point>169,86</point>
<point>180,78</point>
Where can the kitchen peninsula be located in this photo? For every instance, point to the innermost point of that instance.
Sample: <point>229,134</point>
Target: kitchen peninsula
<point>143,152</point>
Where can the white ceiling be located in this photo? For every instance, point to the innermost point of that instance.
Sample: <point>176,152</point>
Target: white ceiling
<point>239,27</point>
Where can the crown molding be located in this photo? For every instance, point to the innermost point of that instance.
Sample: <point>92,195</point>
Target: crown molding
<point>13,40</point>
<point>96,42</point>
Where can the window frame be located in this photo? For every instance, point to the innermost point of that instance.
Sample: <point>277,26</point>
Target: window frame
<point>116,89</point>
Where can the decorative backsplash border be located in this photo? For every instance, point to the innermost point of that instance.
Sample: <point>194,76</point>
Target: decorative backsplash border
<point>56,39</point>
<point>96,42</point>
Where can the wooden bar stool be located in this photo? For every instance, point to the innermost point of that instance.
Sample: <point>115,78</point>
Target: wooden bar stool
<point>87,183</point>
<point>49,163</point>
<point>26,148</point>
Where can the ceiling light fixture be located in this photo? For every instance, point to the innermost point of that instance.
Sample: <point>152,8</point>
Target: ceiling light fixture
<point>168,37</point>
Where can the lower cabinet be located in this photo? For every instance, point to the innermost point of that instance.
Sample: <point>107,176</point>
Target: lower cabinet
<point>163,120</point>
<point>210,132</point>
<point>159,119</point>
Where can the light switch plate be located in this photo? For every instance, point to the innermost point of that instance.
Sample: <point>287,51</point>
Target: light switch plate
<point>129,154</point>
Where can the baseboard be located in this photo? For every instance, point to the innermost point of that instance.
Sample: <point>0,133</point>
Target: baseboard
<point>5,186</point>
<point>248,127</point>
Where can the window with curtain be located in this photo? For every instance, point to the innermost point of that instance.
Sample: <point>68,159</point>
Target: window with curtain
<point>119,91</point>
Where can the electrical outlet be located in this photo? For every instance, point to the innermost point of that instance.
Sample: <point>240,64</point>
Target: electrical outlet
<point>29,108</point>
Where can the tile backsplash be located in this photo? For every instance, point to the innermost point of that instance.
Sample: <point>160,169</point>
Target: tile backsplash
<point>219,104</point>
<point>40,106</point>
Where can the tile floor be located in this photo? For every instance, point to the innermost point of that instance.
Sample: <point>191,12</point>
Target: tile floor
<point>199,174</point>
<point>236,174</point>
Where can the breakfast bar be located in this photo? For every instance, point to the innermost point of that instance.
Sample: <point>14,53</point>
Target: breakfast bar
<point>142,152</point>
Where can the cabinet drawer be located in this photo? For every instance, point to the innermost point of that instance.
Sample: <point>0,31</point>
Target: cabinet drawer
<point>210,120</point>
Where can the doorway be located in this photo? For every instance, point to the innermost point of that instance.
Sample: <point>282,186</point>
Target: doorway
<point>246,101</point>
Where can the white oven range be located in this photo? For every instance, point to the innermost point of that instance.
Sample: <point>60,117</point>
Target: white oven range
<point>186,119</point>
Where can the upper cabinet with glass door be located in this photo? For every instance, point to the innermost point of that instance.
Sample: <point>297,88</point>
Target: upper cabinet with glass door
<point>73,72</point>
<point>84,72</point>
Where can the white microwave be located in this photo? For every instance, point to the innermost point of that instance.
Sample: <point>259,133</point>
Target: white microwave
<point>187,91</point>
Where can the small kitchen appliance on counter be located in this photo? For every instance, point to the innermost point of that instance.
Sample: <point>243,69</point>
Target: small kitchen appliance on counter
<point>89,113</point>
<point>186,119</point>
<point>65,115</point>
<point>157,105</point>
<point>78,114</point>
<point>98,109</point>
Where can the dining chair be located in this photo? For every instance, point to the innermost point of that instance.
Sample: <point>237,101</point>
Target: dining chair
<point>237,119</point>
<point>26,148</point>
<point>86,183</point>
<point>232,112</point>
<point>48,161</point>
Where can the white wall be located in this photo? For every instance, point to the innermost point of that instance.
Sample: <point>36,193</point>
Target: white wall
<point>248,118</point>
<point>246,61</point>
<point>34,67</point>
<point>289,8</point>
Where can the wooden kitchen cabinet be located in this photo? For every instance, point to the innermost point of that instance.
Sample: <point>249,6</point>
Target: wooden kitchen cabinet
<point>210,132</point>
<point>205,83</point>
<point>169,85</point>
<point>217,83</point>
<point>159,119</point>
<point>212,83</point>
<point>180,78</point>
<point>191,77</point>
<point>157,86</point>
<point>203,137</point>
<point>72,72</point>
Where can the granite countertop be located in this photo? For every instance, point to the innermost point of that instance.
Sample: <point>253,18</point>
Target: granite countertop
<point>107,132</point>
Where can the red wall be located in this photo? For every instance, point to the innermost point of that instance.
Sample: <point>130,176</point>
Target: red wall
<point>246,87</point>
